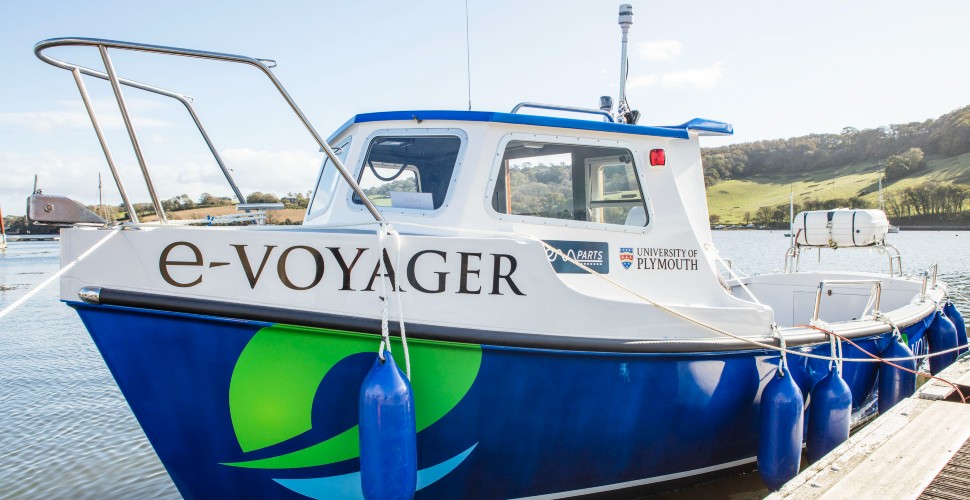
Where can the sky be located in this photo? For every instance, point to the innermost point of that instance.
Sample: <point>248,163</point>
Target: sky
<point>772,69</point>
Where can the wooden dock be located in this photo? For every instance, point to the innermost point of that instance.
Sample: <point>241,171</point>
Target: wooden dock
<point>919,449</point>
<point>33,237</point>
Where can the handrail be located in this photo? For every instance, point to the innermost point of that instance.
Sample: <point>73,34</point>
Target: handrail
<point>186,101</point>
<point>877,284</point>
<point>926,276</point>
<point>728,265</point>
<point>132,214</point>
<point>263,65</point>
<point>793,256</point>
<point>555,107</point>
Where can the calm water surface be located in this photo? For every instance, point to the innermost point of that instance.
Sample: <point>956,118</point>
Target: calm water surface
<point>68,433</point>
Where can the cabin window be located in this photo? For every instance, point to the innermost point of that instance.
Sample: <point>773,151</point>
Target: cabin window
<point>327,182</point>
<point>570,182</point>
<point>409,172</point>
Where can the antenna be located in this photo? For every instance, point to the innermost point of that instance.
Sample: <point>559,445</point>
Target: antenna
<point>468,57</point>
<point>625,114</point>
<point>626,20</point>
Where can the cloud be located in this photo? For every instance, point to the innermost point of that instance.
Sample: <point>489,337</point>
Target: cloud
<point>696,78</point>
<point>73,115</point>
<point>642,81</point>
<point>46,121</point>
<point>703,78</point>
<point>659,50</point>
<point>277,172</point>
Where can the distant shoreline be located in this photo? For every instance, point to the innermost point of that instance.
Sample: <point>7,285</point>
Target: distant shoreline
<point>961,227</point>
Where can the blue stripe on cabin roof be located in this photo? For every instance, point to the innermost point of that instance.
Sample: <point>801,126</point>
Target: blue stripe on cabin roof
<point>706,127</point>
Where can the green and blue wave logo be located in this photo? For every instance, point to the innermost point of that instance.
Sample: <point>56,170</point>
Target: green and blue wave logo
<point>279,373</point>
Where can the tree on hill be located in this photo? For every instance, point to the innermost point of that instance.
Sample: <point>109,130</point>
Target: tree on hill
<point>948,135</point>
<point>260,197</point>
<point>901,165</point>
<point>939,200</point>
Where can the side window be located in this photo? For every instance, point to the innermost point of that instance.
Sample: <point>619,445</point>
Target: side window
<point>409,172</point>
<point>327,182</point>
<point>570,182</point>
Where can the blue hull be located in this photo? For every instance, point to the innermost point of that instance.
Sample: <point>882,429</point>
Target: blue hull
<point>527,422</point>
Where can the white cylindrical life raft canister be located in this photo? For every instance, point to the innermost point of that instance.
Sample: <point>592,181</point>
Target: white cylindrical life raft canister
<point>841,227</point>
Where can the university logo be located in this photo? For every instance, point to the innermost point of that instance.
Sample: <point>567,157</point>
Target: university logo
<point>626,257</point>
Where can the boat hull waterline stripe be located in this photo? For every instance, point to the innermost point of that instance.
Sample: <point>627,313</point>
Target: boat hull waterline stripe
<point>161,302</point>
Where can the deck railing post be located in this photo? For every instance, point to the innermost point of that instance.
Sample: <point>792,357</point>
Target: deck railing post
<point>104,145</point>
<point>116,87</point>
<point>875,293</point>
<point>115,81</point>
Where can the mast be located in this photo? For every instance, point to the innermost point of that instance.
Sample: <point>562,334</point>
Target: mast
<point>626,20</point>
<point>882,204</point>
<point>623,112</point>
<point>3,231</point>
<point>100,201</point>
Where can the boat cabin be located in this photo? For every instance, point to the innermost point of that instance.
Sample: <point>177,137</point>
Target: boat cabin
<point>504,171</point>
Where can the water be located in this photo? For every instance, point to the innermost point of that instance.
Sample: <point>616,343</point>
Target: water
<point>68,433</point>
<point>66,430</point>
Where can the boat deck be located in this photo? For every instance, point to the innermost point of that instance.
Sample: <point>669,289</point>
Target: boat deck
<point>919,449</point>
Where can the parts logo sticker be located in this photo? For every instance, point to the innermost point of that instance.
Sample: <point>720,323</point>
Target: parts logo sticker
<point>592,254</point>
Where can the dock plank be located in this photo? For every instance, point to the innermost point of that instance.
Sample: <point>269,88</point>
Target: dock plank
<point>953,482</point>
<point>896,456</point>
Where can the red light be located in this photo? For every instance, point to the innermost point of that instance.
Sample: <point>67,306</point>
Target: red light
<point>657,157</point>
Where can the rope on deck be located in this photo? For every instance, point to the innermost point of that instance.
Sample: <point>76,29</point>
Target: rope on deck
<point>52,278</point>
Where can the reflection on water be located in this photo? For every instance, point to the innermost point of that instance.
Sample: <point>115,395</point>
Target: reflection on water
<point>67,431</point>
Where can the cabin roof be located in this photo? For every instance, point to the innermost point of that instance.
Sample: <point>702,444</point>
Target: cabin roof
<point>705,127</point>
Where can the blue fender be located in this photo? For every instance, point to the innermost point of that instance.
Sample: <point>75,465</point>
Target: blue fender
<point>951,312</point>
<point>388,438</point>
<point>829,415</point>
<point>780,431</point>
<point>895,385</point>
<point>942,336</point>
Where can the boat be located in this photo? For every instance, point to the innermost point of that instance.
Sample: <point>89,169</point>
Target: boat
<point>882,205</point>
<point>3,233</point>
<point>584,340</point>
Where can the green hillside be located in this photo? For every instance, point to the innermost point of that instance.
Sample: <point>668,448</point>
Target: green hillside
<point>733,198</point>
<point>925,167</point>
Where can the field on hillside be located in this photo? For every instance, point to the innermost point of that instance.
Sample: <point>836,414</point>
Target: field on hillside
<point>273,216</point>
<point>731,199</point>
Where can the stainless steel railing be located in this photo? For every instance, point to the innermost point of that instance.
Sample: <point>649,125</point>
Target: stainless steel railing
<point>264,65</point>
<point>554,107</point>
<point>793,256</point>
<point>876,287</point>
<point>926,280</point>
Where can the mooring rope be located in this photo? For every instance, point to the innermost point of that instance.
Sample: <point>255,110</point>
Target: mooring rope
<point>786,350</point>
<point>739,338</point>
<point>385,331</point>
<point>956,292</point>
<point>885,360</point>
<point>400,302</point>
<point>27,296</point>
<point>836,356</point>
<point>386,229</point>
